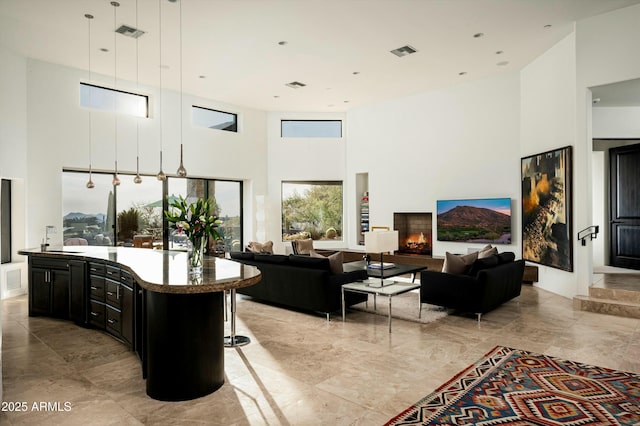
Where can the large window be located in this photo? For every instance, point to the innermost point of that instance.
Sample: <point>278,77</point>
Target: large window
<point>311,128</point>
<point>213,119</point>
<point>113,100</point>
<point>312,210</point>
<point>5,219</point>
<point>131,214</point>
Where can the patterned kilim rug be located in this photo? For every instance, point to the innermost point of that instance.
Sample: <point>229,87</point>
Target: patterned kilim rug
<point>515,387</point>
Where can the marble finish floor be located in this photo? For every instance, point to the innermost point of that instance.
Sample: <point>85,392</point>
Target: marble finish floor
<point>299,368</point>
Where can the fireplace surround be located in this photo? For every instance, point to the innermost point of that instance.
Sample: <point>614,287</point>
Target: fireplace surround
<point>414,233</point>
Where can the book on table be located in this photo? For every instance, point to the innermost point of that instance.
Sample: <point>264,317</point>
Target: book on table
<point>386,265</point>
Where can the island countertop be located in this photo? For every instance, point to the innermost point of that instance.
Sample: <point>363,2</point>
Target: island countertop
<point>162,271</point>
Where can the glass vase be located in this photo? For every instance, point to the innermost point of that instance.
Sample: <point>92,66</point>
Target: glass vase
<point>195,253</point>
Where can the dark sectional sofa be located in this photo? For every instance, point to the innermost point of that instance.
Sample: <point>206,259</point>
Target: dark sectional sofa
<point>488,283</point>
<point>300,282</point>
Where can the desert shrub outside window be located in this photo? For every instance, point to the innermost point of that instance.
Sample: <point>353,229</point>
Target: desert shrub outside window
<point>312,209</point>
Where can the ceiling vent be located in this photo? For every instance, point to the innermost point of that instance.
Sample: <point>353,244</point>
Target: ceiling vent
<point>403,51</point>
<point>295,84</point>
<point>128,31</point>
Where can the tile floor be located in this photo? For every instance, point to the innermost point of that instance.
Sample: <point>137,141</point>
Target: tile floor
<point>299,368</point>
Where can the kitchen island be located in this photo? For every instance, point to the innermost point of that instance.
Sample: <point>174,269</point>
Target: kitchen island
<point>146,299</point>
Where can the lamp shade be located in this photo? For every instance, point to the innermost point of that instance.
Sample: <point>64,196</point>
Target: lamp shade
<point>380,241</point>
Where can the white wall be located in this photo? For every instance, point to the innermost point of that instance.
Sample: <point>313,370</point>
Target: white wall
<point>456,143</point>
<point>300,159</point>
<point>548,122</point>
<point>13,156</point>
<point>606,47</point>
<point>616,122</point>
<point>59,138</point>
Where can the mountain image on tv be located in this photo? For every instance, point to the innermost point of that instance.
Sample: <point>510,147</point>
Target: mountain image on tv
<point>475,221</point>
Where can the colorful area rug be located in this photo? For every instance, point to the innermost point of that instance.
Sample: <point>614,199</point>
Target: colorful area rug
<point>515,387</point>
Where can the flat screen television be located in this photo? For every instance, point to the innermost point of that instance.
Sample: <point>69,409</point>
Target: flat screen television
<point>486,220</point>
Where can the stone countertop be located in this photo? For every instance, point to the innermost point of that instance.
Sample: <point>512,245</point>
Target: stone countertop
<point>162,271</point>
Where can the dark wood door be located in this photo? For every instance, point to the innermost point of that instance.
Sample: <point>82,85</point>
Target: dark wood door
<point>625,206</point>
<point>77,291</point>
<point>59,293</point>
<point>39,291</point>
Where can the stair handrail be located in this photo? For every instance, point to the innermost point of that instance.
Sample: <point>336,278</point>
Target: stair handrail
<point>591,232</point>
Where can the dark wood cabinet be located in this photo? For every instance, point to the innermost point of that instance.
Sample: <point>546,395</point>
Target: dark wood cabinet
<point>127,307</point>
<point>49,287</point>
<point>78,291</point>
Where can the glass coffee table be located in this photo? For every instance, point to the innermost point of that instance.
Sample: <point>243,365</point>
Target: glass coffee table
<point>388,290</point>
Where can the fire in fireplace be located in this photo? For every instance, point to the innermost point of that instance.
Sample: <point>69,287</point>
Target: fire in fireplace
<point>414,233</point>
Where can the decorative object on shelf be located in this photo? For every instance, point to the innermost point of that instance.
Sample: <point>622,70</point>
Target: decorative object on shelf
<point>546,208</point>
<point>90,184</point>
<point>380,242</point>
<point>197,221</point>
<point>364,216</point>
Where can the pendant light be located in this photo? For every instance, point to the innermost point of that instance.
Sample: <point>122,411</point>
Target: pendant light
<point>90,184</point>
<point>182,172</point>
<point>116,180</point>
<point>160,176</point>
<point>137,179</point>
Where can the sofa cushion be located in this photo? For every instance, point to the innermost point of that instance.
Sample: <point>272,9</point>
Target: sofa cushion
<point>506,257</point>
<point>335,261</point>
<point>242,255</point>
<point>309,262</point>
<point>458,264</point>
<point>487,251</point>
<point>483,263</point>
<point>256,247</point>
<point>302,246</point>
<point>271,258</point>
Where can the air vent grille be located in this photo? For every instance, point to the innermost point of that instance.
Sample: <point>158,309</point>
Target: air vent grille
<point>295,85</point>
<point>403,51</point>
<point>128,31</point>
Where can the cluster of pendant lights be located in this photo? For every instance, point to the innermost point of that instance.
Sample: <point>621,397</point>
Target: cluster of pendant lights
<point>161,176</point>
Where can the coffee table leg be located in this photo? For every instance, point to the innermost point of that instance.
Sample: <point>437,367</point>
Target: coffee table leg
<point>389,313</point>
<point>375,305</point>
<point>343,315</point>
<point>233,341</point>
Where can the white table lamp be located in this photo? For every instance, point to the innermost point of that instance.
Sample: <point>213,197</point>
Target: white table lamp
<point>380,242</point>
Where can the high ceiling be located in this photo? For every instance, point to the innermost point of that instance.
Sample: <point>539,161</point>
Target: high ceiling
<point>340,49</point>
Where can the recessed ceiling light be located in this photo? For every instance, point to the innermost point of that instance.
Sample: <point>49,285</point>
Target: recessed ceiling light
<point>548,26</point>
<point>282,43</point>
<point>295,85</point>
<point>403,51</point>
<point>502,63</point>
<point>356,72</point>
<point>346,102</point>
<point>202,76</point>
<point>462,73</point>
<point>478,35</point>
<point>104,49</point>
<point>499,52</point>
<point>276,96</point>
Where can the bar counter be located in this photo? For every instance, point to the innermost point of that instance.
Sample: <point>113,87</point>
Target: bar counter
<point>180,320</point>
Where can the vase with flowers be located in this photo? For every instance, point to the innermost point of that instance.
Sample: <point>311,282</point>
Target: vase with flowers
<point>197,221</point>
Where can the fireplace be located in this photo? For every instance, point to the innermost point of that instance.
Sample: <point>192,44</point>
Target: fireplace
<point>414,233</point>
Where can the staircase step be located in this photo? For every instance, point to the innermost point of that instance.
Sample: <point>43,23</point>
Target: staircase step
<point>607,306</point>
<point>614,294</point>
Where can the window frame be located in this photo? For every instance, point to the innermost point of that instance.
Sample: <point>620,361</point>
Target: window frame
<point>235,117</point>
<point>283,120</point>
<point>115,111</point>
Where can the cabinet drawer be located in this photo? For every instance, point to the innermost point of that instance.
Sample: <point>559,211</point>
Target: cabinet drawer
<point>96,314</point>
<point>113,292</point>
<point>113,273</point>
<point>114,324</point>
<point>96,268</point>
<point>126,279</point>
<point>97,288</point>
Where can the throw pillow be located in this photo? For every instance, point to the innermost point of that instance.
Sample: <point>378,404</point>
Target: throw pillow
<point>506,257</point>
<point>256,247</point>
<point>303,246</point>
<point>335,261</point>
<point>455,264</point>
<point>484,263</point>
<point>487,252</point>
